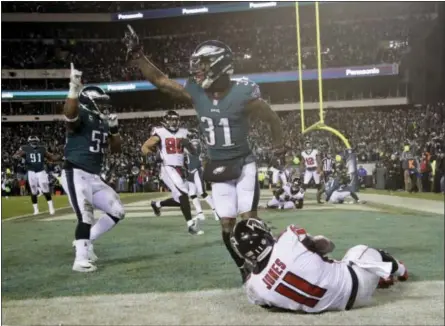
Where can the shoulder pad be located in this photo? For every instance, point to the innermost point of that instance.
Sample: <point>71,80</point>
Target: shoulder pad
<point>249,87</point>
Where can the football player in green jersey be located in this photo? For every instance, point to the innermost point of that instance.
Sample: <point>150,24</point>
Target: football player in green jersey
<point>35,154</point>
<point>224,107</point>
<point>90,131</point>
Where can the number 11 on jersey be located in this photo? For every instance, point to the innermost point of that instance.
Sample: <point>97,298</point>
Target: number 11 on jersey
<point>210,138</point>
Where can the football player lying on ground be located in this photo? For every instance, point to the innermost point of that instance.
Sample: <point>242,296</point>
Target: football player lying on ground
<point>337,191</point>
<point>289,196</point>
<point>293,272</point>
<point>225,108</point>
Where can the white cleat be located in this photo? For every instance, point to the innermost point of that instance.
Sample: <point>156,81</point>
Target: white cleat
<point>92,257</point>
<point>216,216</point>
<point>52,211</point>
<point>193,227</point>
<point>83,266</point>
<point>200,217</point>
<point>36,213</point>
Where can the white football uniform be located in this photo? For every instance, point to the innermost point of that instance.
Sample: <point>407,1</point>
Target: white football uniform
<point>283,202</point>
<point>278,176</point>
<point>172,155</point>
<point>87,191</point>
<point>38,180</point>
<point>310,162</point>
<point>301,280</point>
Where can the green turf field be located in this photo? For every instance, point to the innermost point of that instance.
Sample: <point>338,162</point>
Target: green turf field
<point>147,254</point>
<point>20,206</point>
<point>421,195</point>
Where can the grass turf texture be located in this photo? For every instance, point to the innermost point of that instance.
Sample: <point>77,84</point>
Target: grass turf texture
<point>21,205</point>
<point>156,254</point>
<point>421,195</point>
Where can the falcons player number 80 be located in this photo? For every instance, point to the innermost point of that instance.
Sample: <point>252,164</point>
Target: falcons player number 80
<point>173,146</point>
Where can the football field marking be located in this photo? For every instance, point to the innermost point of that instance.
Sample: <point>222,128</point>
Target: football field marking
<point>410,303</point>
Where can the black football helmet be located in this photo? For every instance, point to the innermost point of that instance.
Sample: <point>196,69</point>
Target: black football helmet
<point>209,61</point>
<point>33,141</point>
<point>171,121</point>
<point>252,240</point>
<point>94,99</point>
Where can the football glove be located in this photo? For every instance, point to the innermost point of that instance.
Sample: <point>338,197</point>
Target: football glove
<point>75,82</point>
<point>113,124</point>
<point>131,41</point>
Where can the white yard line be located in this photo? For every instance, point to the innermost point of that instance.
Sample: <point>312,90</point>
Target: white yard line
<point>410,303</point>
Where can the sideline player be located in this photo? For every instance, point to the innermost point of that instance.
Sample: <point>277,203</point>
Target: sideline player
<point>90,131</point>
<point>311,163</point>
<point>293,272</point>
<point>35,155</point>
<point>194,177</point>
<point>224,107</point>
<point>288,197</point>
<point>171,140</point>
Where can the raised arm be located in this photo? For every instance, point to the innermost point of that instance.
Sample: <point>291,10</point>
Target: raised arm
<point>71,107</point>
<point>136,57</point>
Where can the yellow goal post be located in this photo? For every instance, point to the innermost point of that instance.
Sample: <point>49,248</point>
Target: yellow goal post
<point>320,125</point>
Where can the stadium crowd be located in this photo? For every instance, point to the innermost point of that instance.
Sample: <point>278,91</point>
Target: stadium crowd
<point>419,127</point>
<point>260,45</point>
<point>350,35</point>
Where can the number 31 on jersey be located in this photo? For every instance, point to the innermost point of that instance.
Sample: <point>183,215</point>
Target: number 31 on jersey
<point>211,138</point>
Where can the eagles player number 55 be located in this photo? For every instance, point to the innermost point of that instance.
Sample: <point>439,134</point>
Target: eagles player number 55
<point>90,130</point>
<point>224,107</point>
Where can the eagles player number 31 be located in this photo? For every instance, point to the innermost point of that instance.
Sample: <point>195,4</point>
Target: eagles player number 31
<point>224,107</point>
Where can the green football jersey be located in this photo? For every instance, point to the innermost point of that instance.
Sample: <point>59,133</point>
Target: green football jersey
<point>34,157</point>
<point>225,122</point>
<point>86,144</point>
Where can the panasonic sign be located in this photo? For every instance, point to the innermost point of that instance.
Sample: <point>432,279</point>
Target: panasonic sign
<point>362,72</point>
<point>123,87</point>
<point>130,16</point>
<point>202,10</point>
<point>262,4</point>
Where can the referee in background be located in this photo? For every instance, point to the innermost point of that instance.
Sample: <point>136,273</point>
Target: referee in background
<point>328,164</point>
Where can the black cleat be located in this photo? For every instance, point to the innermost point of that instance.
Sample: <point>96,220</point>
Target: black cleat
<point>156,209</point>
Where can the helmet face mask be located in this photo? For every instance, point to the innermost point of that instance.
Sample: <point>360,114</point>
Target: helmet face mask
<point>171,121</point>
<point>210,61</point>
<point>94,99</point>
<point>33,141</point>
<point>252,240</point>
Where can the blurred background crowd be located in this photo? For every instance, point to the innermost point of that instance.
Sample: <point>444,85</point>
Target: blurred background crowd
<point>351,35</point>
